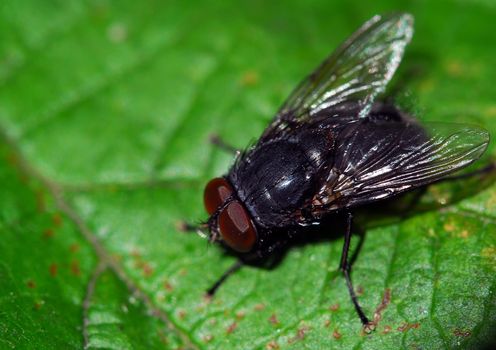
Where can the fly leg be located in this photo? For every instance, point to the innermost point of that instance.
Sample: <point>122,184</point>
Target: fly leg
<point>185,226</point>
<point>272,250</point>
<point>419,192</point>
<point>482,171</point>
<point>345,267</point>
<point>234,267</point>
<point>217,141</point>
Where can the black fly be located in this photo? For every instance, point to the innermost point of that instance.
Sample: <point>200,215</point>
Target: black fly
<point>332,148</point>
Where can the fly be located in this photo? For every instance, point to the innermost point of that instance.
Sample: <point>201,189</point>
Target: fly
<point>332,148</point>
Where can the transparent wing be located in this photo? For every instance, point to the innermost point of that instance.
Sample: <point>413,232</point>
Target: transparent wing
<point>356,72</point>
<point>381,159</point>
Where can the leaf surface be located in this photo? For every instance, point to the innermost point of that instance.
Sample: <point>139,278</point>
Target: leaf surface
<point>105,112</point>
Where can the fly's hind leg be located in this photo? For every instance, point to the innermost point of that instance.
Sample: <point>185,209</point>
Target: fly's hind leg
<point>482,171</point>
<point>345,267</point>
<point>217,141</point>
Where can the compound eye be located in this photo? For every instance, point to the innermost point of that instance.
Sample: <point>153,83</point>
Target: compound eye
<point>215,194</point>
<point>236,228</point>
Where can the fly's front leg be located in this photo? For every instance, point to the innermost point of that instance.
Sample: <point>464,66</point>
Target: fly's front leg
<point>185,226</point>
<point>217,141</point>
<point>188,227</point>
<point>234,267</point>
<point>345,267</point>
<point>253,257</point>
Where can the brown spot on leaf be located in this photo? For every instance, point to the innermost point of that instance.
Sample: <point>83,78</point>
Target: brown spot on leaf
<point>462,333</point>
<point>75,269</point>
<point>300,334</point>
<point>272,345</point>
<point>449,227</point>
<point>327,323</point>
<point>48,233</point>
<point>386,299</point>
<point>147,270</point>
<point>334,307</point>
<point>168,287</point>
<point>407,326</point>
<point>231,328</point>
<point>53,269</point>
<point>57,219</point>
<point>386,330</point>
<point>135,253</point>
<point>464,234</point>
<point>181,314</point>
<point>259,307</point>
<point>249,78</point>
<point>273,319</point>
<point>336,335</point>
<point>139,263</point>
<point>359,290</point>
<point>454,68</point>
<point>37,305</point>
<point>31,284</point>
<point>163,337</point>
<point>74,248</point>
<point>240,315</point>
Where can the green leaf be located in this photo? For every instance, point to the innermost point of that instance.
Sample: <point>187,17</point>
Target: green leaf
<point>105,112</point>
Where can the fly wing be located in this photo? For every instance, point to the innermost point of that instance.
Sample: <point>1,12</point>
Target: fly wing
<point>380,159</point>
<point>355,73</point>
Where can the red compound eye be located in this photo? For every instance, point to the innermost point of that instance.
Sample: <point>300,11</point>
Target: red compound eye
<point>216,193</point>
<point>236,228</point>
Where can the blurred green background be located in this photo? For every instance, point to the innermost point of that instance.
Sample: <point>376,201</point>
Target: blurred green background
<point>105,112</point>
